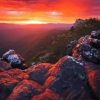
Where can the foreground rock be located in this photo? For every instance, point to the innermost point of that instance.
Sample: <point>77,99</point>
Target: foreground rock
<point>68,79</point>
<point>25,90</point>
<point>88,48</point>
<point>4,66</point>
<point>71,78</point>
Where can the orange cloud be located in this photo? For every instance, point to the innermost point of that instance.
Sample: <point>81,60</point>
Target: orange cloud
<point>61,11</point>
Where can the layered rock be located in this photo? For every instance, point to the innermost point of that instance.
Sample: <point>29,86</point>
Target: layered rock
<point>25,90</point>
<point>71,78</point>
<point>88,48</point>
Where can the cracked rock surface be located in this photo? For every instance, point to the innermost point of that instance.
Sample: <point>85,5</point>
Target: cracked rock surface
<point>75,77</point>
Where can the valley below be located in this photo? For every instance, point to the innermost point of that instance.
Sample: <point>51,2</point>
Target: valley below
<point>29,40</point>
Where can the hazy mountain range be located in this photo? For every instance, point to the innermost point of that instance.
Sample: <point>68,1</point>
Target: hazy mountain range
<point>29,40</point>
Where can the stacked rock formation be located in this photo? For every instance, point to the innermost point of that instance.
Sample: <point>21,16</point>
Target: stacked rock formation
<point>71,78</point>
<point>88,48</point>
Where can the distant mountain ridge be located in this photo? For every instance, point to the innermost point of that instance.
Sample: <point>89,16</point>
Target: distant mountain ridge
<point>32,39</point>
<point>47,43</point>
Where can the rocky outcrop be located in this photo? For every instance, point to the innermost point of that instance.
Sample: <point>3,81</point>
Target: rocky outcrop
<point>88,48</point>
<point>68,79</point>
<point>74,77</point>
<point>79,22</point>
<point>25,90</point>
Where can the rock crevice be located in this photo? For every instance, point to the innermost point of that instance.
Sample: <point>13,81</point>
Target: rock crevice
<point>75,77</point>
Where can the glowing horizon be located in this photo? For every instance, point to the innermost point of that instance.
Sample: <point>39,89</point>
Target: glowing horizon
<point>24,22</point>
<point>47,11</point>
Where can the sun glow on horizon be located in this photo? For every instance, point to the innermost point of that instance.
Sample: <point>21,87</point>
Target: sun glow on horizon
<point>31,22</point>
<point>47,11</point>
<point>25,22</point>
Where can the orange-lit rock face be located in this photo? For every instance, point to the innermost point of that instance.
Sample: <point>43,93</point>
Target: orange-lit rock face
<point>64,80</point>
<point>69,79</point>
<point>25,90</point>
<point>83,40</point>
<point>91,77</point>
<point>94,80</point>
<point>39,73</point>
<point>47,95</point>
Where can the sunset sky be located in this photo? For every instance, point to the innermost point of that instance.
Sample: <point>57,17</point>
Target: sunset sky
<point>47,11</point>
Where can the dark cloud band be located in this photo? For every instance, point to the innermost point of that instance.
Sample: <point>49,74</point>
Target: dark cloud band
<point>36,1</point>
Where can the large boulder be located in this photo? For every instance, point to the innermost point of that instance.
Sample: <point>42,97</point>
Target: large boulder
<point>71,78</point>
<point>68,79</point>
<point>88,48</point>
<point>39,73</point>
<point>15,74</point>
<point>90,53</point>
<point>94,82</point>
<point>8,80</point>
<point>6,85</point>
<point>25,90</point>
<point>95,34</point>
<point>71,81</point>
